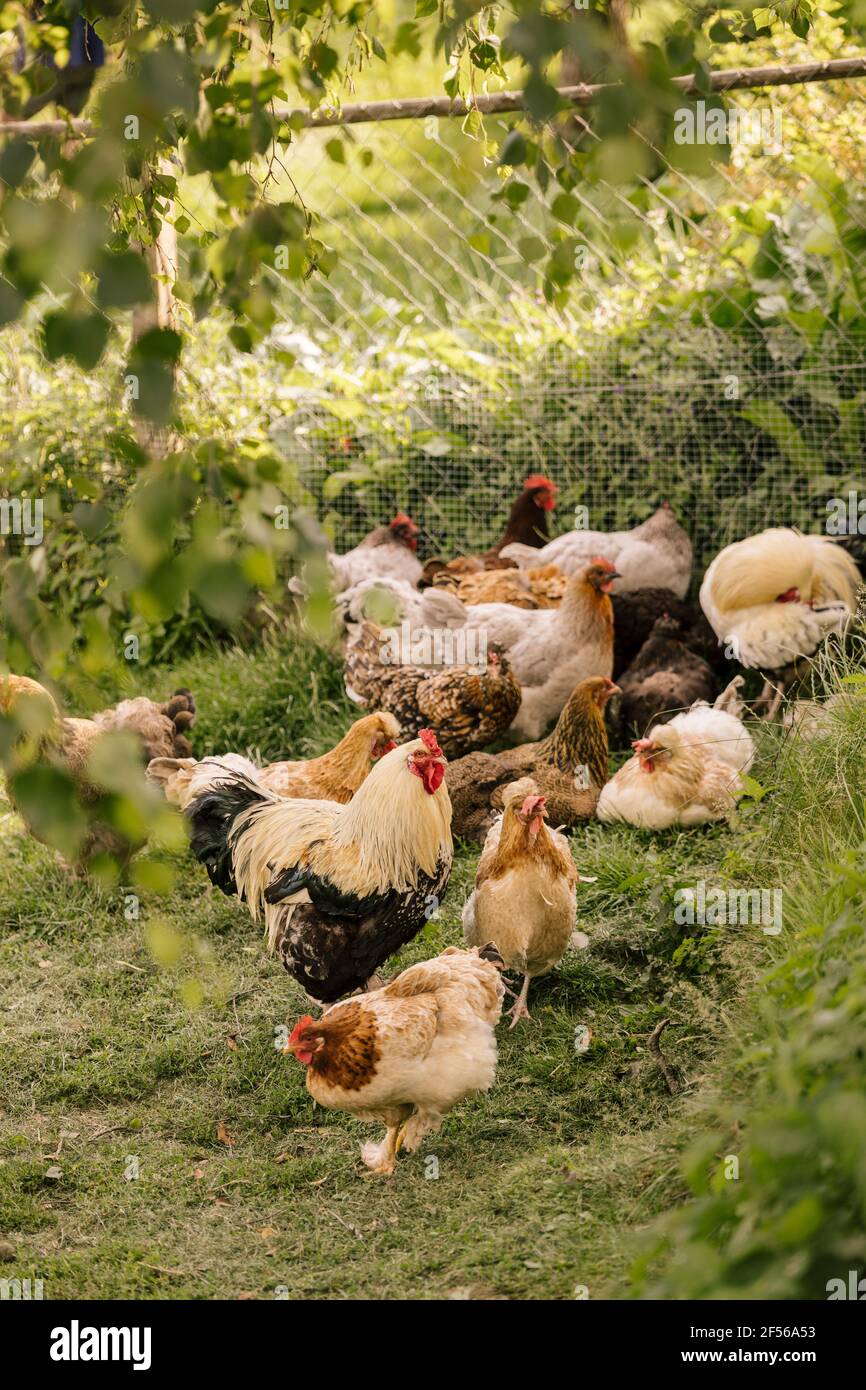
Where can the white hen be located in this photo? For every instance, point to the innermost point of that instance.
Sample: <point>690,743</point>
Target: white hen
<point>685,772</point>
<point>776,596</point>
<point>389,550</point>
<point>655,554</point>
<point>388,602</point>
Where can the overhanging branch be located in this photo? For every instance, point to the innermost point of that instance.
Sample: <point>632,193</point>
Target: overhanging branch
<point>497,103</point>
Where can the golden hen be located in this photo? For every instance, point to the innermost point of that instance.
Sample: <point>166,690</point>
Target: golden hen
<point>335,776</point>
<point>524,897</point>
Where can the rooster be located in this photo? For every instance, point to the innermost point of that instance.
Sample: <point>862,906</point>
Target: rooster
<point>524,897</point>
<point>775,597</point>
<point>335,776</point>
<point>526,526</point>
<point>685,772</point>
<point>406,1054</point>
<point>341,888</point>
<point>569,766</point>
<point>657,553</point>
<point>68,745</point>
<point>469,707</point>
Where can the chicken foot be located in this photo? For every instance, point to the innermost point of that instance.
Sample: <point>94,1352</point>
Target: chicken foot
<point>520,1010</point>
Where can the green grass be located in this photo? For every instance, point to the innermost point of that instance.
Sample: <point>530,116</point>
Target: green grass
<point>153,1040</point>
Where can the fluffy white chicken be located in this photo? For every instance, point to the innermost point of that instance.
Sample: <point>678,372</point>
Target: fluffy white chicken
<point>388,602</point>
<point>388,550</point>
<point>405,1054</point>
<point>775,597</point>
<point>655,554</point>
<point>524,896</point>
<point>685,772</point>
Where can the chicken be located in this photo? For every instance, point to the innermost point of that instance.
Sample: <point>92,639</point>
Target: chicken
<point>542,587</point>
<point>813,719</point>
<point>524,897</point>
<point>335,776</point>
<point>526,525</point>
<point>569,767</point>
<point>551,649</point>
<point>406,1054</point>
<point>775,597</point>
<point>387,551</point>
<point>69,745</point>
<point>341,888</point>
<point>657,553</point>
<point>685,772</point>
<point>634,615</point>
<point>663,678</point>
<point>470,706</point>
<point>389,602</point>
<point>488,586</point>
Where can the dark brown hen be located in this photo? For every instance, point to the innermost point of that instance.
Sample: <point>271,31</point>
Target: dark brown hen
<point>665,677</point>
<point>526,524</point>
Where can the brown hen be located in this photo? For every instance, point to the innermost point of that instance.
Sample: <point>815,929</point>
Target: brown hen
<point>569,766</point>
<point>467,706</point>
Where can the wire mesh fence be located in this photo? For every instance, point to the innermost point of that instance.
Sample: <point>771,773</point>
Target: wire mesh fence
<point>741,400</point>
<point>705,346</point>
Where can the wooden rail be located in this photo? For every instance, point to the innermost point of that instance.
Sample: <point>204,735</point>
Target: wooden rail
<point>495,103</point>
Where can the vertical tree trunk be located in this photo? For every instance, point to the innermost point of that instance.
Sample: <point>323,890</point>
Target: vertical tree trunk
<point>161,312</point>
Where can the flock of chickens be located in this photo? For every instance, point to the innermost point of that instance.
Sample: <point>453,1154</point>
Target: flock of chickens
<point>345,857</point>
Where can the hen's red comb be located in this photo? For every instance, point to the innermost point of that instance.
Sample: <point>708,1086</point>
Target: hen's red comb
<point>401,519</point>
<point>431,743</point>
<point>299,1027</point>
<point>538,480</point>
<point>600,560</point>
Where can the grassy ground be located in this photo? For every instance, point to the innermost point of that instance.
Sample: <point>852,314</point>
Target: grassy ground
<point>155,1143</point>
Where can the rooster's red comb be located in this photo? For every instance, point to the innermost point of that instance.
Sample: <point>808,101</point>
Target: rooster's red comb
<point>431,743</point>
<point>536,480</point>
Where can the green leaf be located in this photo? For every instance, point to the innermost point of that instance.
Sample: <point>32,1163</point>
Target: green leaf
<point>532,248</point>
<point>15,162</point>
<point>513,149</point>
<point>81,336</point>
<point>565,208</point>
<point>124,280</point>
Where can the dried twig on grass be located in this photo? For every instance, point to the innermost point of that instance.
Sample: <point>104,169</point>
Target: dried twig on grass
<point>653,1043</point>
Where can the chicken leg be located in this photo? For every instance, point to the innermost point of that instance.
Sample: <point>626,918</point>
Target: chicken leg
<point>380,1158</point>
<point>771,697</point>
<point>520,1010</point>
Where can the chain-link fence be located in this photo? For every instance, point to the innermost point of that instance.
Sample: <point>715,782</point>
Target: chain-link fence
<point>707,348</point>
